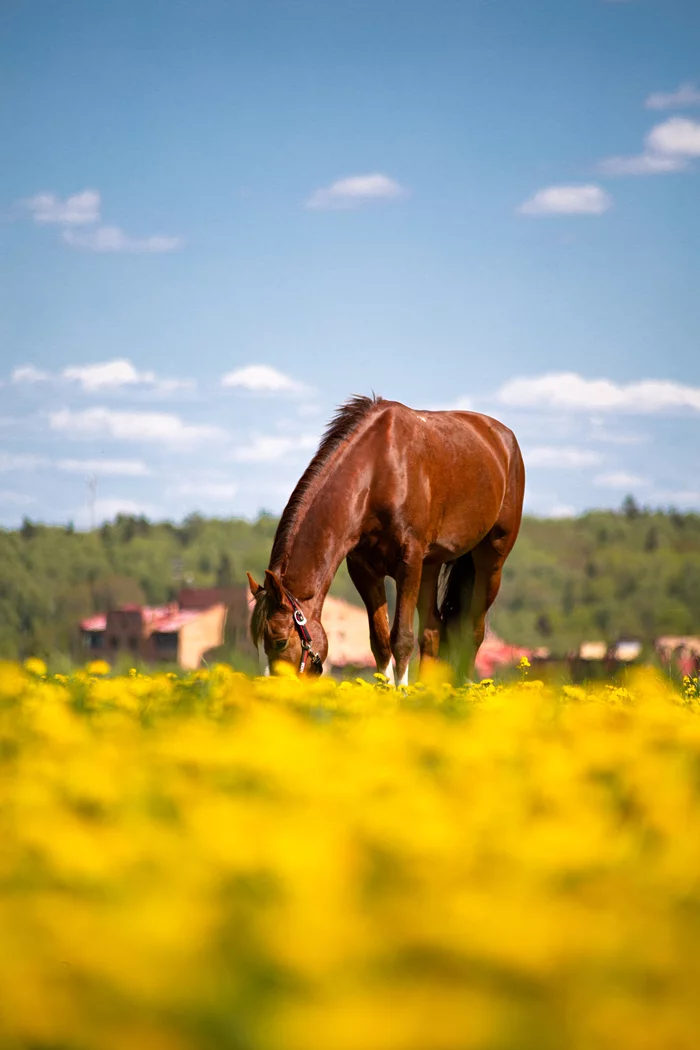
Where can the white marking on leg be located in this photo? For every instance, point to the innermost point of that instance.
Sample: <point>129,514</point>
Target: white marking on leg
<point>263,663</point>
<point>387,671</point>
<point>404,678</point>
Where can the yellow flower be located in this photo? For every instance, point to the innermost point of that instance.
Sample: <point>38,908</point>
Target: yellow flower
<point>412,862</point>
<point>523,663</point>
<point>98,667</point>
<point>35,666</point>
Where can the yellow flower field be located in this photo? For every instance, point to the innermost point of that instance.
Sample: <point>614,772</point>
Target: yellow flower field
<point>263,864</point>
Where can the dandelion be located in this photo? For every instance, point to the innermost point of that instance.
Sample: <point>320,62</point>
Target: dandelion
<point>35,666</point>
<point>523,666</point>
<point>98,667</point>
<point>691,688</point>
<point>344,865</point>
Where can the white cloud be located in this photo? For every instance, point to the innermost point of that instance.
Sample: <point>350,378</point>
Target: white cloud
<point>21,461</point>
<point>268,448</point>
<point>29,374</point>
<point>556,457</point>
<point>568,390</point>
<point>621,480</point>
<point>119,373</point>
<point>668,147</point>
<point>263,379</point>
<point>78,210</point>
<point>568,200</point>
<point>642,164</point>
<point>686,95</point>
<point>678,136</point>
<point>104,375</point>
<point>83,209</point>
<point>17,499</point>
<point>131,426</point>
<point>132,468</point>
<point>113,239</point>
<point>356,191</point>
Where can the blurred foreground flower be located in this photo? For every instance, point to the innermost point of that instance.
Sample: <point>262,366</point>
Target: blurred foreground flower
<point>98,667</point>
<point>35,666</point>
<point>212,861</point>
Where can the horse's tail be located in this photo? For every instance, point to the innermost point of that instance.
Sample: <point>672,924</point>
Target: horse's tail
<point>455,593</point>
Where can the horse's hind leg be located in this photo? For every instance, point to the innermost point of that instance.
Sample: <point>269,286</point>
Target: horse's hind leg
<point>373,593</point>
<point>489,567</point>
<point>429,620</point>
<point>489,558</point>
<point>455,605</point>
<point>467,623</point>
<point>472,589</point>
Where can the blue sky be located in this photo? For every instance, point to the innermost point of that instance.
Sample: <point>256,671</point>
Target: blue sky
<point>220,219</point>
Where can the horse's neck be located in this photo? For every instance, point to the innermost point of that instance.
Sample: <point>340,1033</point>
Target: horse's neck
<point>324,534</point>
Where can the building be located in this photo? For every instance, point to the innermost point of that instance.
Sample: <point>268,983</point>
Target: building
<point>237,602</point>
<point>680,653</point>
<point>161,633</point>
<point>182,632</point>
<point>347,629</point>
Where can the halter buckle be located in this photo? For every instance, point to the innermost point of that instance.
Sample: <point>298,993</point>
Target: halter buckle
<point>299,617</point>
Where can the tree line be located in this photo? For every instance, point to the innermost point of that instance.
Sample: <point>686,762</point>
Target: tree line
<point>632,573</point>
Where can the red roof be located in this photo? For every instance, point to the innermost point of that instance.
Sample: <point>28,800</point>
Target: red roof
<point>163,618</point>
<point>171,624</point>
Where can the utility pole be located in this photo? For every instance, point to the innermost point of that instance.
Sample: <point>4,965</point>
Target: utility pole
<point>92,483</point>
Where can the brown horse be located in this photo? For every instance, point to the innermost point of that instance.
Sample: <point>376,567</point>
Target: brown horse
<point>432,499</point>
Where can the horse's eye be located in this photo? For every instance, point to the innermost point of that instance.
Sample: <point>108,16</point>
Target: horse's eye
<point>280,645</point>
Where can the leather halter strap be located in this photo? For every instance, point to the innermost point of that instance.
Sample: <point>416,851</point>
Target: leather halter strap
<point>304,636</point>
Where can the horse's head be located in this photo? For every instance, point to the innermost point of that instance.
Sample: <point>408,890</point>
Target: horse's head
<point>272,626</point>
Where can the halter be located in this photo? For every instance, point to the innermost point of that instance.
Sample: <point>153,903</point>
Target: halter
<point>304,636</point>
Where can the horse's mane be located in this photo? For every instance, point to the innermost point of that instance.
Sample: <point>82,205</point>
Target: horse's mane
<point>342,425</point>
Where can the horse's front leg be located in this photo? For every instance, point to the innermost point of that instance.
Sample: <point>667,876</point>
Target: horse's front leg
<point>408,579</point>
<point>373,593</point>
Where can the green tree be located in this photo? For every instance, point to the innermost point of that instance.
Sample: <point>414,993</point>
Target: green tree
<point>225,576</point>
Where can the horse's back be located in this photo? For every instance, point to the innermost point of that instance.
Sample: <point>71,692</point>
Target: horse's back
<point>447,473</point>
<point>433,442</point>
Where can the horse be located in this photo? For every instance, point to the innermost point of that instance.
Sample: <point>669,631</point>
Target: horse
<point>432,499</point>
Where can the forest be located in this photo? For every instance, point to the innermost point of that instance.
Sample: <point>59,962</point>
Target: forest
<point>632,573</point>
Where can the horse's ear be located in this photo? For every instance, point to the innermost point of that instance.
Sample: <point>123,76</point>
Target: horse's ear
<point>255,588</point>
<point>273,586</point>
